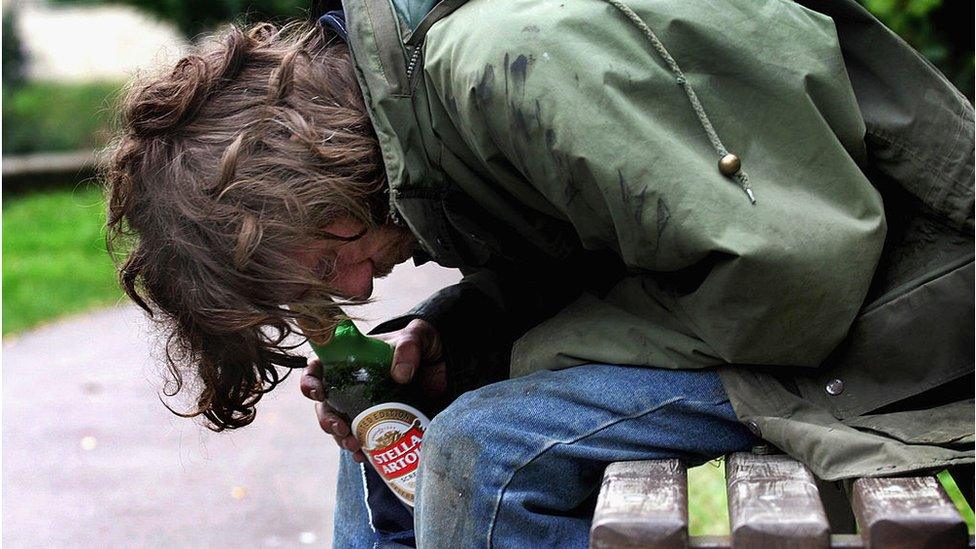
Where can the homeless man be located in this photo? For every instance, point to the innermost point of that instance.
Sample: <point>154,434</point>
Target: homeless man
<point>684,229</point>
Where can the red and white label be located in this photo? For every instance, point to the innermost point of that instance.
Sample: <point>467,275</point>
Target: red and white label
<point>391,435</point>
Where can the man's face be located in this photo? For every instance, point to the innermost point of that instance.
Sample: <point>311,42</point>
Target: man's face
<point>358,262</point>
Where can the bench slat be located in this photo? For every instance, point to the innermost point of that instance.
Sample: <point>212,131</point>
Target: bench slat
<point>774,502</point>
<point>907,512</point>
<point>642,504</point>
<point>837,541</point>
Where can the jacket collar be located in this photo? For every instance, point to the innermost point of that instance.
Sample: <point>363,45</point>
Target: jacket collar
<point>385,39</point>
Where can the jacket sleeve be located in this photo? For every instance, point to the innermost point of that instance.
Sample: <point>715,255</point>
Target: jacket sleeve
<point>583,110</point>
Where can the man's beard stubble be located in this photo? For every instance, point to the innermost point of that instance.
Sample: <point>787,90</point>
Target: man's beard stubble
<point>400,250</point>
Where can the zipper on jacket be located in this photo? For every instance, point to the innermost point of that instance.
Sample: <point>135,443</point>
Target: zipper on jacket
<point>412,62</point>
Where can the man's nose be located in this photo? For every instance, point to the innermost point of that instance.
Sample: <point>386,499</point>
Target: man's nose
<point>355,282</point>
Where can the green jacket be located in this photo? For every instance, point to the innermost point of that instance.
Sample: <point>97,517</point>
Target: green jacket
<point>553,151</point>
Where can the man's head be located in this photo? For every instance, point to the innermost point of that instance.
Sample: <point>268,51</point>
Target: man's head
<point>356,263</point>
<point>246,179</point>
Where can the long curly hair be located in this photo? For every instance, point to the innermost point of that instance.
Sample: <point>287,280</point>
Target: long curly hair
<point>222,168</point>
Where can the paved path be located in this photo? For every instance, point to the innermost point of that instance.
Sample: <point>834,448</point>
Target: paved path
<point>92,459</point>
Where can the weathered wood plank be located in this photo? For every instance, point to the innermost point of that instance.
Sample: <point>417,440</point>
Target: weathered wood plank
<point>642,504</point>
<point>846,541</point>
<point>907,512</point>
<point>709,542</point>
<point>837,541</point>
<point>773,502</point>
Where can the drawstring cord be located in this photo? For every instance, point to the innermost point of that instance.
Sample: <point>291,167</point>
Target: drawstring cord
<point>729,164</point>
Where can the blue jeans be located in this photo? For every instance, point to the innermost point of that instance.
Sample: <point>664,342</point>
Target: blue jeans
<point>519,463</point>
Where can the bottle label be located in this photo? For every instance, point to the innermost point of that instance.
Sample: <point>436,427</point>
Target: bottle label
<point>391,434</point>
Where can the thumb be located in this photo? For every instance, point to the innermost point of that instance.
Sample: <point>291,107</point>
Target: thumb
<point>418,343</point>
<point>407,355</point>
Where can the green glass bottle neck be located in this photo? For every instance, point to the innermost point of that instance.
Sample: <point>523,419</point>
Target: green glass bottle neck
<point>349,346</point>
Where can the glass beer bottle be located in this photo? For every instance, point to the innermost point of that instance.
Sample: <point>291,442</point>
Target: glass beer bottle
<point>380,411</point>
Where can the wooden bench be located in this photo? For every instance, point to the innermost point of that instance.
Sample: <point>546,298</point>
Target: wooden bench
<point>774,501</point>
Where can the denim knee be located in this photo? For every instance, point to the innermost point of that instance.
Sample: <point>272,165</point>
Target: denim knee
<point>454,430</point>
<point>455,444</point>
<point>451,471</point>
<point>459,416</point>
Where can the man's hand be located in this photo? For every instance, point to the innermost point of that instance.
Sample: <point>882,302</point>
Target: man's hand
<point>416,348</point>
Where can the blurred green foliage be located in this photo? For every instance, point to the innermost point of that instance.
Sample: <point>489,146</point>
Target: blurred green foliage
<point>195,16</point>
<point>13,53</point>
<point>708,506</point>
<point>54,258</point>
<point>46,116</point>
<point>941,30</point>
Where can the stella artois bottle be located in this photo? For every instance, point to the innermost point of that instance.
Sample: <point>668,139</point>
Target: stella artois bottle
<point>356,375</point>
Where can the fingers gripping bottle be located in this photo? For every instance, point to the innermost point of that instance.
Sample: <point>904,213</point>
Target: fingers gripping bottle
<point>380,411</point>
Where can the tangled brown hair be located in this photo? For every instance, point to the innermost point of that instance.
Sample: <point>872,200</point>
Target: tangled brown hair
<point>223,167</point>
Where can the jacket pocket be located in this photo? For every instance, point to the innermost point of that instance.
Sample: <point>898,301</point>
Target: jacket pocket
<point>912,339</point>
<point>948,424</point>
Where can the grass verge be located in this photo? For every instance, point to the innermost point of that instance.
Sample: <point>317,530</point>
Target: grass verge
<point>48,116</point>
<point>708,507</point>
<point>54,258</point>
